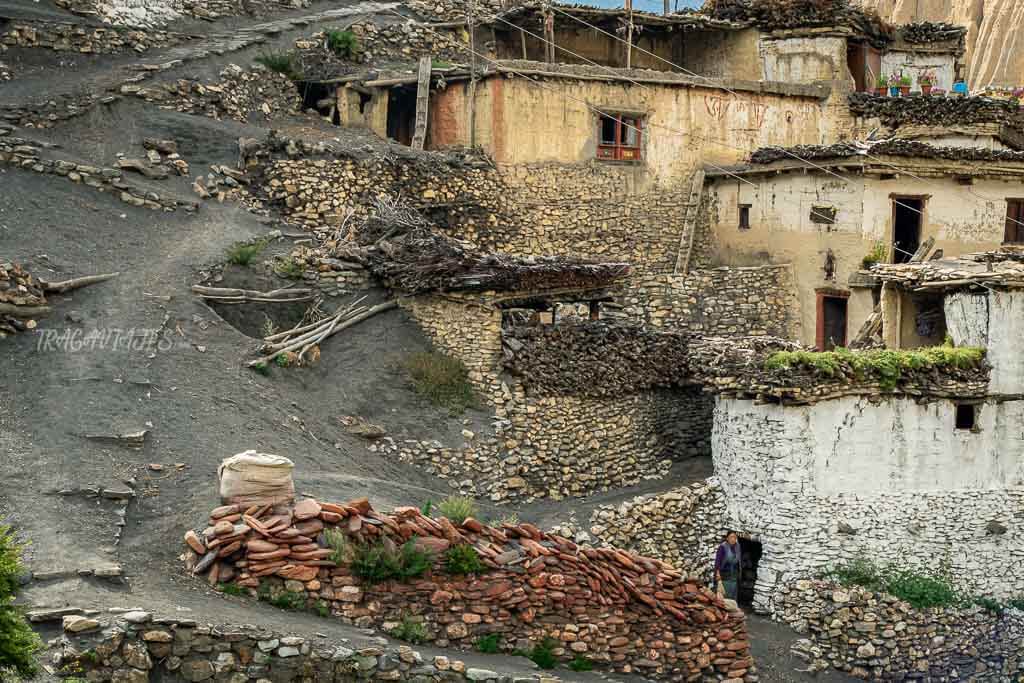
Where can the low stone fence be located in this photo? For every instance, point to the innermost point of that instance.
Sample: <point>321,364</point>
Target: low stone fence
<point>875,636</point>
<point>23,154</point>
<point>136,648</point>
<point>64,37</point>
<point>620,610</point>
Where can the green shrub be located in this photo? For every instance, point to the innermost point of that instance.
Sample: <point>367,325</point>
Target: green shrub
<point>242,253</point>
<point>282,360</point>
<point>989,604</point>
<point>489,644</point>
<point>859,572</point>
<point>231,589</point>
<point>543,653</point>
<point>262,368</point>
<point>289,600</point>
<point>343,43</point>
<point>18,642</point>
<point>920,590</point>
<point>289,268</point>
<point>427,508</point>
<point>378,562</point>
<point>1016,603</point>
<point>884,365</point>
<point>410,631</point>
<point>279,62</point>
<point>462,559</point>
<point>581,663</point>
<point>323,609</point>
<point>442,380</point>
<point>457,508</point>
<point>877,254</point>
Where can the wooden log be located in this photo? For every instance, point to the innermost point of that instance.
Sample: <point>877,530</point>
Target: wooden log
<point>232,295</point>
<point>24,311</point>
<point>75,283</point>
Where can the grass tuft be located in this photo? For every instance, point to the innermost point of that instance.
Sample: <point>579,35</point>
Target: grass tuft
<point>458,508</point>
<point>922,590</point>
<point>345,44</point>
<point>443,380</point>
<point>489,644</point>
<point>279,62</point>
<point>410,631</point>
<point>462,559</point>
<point>581,663</point>
<point>378,562</point>
<point>231,589</point>
<point>543,654</point>
<point>18,642</point>
<point>242,253</point>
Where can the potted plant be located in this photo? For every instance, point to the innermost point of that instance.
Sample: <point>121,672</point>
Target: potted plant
<point>1018,95</point>
<point>881,85</point>
<point>926,80</point>
<point>894,84</point>
<point>905,83</point>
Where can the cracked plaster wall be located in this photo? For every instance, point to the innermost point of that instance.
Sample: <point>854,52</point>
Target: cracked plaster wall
<point>890,480</point>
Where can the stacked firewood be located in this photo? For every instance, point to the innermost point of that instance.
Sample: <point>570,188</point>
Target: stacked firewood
<point>22,299</point>
<point>893,147</point>
<point>923,32</point>
<point>773,15</point>
<point>936,111</point>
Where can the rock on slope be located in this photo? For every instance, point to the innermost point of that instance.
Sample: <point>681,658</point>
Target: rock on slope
<point>995,38</point>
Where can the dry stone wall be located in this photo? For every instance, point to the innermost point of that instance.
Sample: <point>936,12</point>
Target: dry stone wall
<point>683,526</point>
<point>875,636</point>
<point>156,13</point>
<point>135,647</point>
<point>64,37</point>
<point>621,610</point>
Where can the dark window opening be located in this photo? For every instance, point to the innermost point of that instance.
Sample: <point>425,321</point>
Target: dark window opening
<point>744,216</point>
<point>831,328</point>
<point>401,114</point>
<point>316,96</point>
<point>966,415</point>
<point>857,64</point>
<point>886,176</point>
<point>619,137</point>
<point>906,227</point>
<point>1014,232</point>
<point>825,215</point>
<point>750,556</point>
<point>364,99</point>
<point>964,180</point>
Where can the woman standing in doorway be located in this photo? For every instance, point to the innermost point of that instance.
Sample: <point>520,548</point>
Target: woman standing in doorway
<point>727,565</point>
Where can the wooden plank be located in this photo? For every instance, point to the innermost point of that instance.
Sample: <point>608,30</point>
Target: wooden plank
<point>873,325</point>
<point>419,136</point>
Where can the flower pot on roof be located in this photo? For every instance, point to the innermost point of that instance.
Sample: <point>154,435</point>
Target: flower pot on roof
<point>881,86</point>
<point>905,83</point>
<point>894,85</point>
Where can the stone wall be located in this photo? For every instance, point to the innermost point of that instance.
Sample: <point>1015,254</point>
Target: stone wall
<point>683,526</point>
<point>723,301</point>
<point>84,39</point>
<point>622,611</point>
<point>134,647</point>
<point>874,636</point>
<point>155,13</point>
<point>927,496</point>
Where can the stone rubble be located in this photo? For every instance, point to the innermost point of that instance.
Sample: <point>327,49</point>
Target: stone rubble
<point>64,37</point>
<point>18,289</point>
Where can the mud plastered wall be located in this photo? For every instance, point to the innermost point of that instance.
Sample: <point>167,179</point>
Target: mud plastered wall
<point>873,636</point>
<point>928,497</point>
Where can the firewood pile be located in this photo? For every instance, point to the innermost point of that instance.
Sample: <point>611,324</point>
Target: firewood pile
<point>1003,268</point>
<point>22,299</point>
<point>619,359</point>
<point>924,32</point>
<point>408,253</point>
<point>773,15</point>
<point>894,112</point>
<point>892,147</point>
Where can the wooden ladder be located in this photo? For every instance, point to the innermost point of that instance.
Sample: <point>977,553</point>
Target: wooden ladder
<point>419,136</point>
<point>690,220</point>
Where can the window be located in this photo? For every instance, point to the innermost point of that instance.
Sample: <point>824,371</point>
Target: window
<point>619,137</point>
<point>825,215</point>
<point>744,216</point>
<point>965,415</point>
<point>1014,232</point>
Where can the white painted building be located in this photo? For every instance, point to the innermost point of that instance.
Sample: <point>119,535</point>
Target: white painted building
<point>930,483</point>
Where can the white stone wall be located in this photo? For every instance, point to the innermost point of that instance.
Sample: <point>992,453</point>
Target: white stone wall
<point>892,481</point>
<point>914,63</point>
<point>804,60</point>
<point>1005,332</point>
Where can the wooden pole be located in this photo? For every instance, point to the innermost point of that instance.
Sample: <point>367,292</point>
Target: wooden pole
<point>629,34</point>
<point>471,21</point>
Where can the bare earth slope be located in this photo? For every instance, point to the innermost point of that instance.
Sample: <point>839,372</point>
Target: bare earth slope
<point>995,37</point>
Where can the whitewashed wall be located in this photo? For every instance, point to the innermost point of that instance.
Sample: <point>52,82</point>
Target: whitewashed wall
<point>914,63</point>
<point>803,60</point>
<point>994,320</point>
<point>891,481</point>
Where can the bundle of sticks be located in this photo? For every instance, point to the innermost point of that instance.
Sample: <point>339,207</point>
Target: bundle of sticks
<point>304,338</point>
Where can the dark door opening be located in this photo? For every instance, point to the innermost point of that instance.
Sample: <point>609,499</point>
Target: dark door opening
<point>906,227</point>
<point>831,330</point>
<point>856,62</point>
<point>401,114</point>
<point>750,557</point>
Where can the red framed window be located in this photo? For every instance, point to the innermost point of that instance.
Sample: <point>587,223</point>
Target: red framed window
<point>619,137</point>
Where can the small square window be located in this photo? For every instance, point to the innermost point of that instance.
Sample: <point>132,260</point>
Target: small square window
<point>619,137</point>
<point>744,216</point>
<point>966,415</point>
<point>825,215</point>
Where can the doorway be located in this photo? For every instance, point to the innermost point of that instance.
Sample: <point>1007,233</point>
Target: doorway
<point>401,114</point>
<point>907,213</point>
<point>750,557</point>
<point>832,319</point>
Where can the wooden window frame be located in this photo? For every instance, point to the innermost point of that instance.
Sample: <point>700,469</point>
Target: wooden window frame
<point>1011,229</point>
<point>819,323</point>
<point>619,151</point>
<point>743,218</point>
